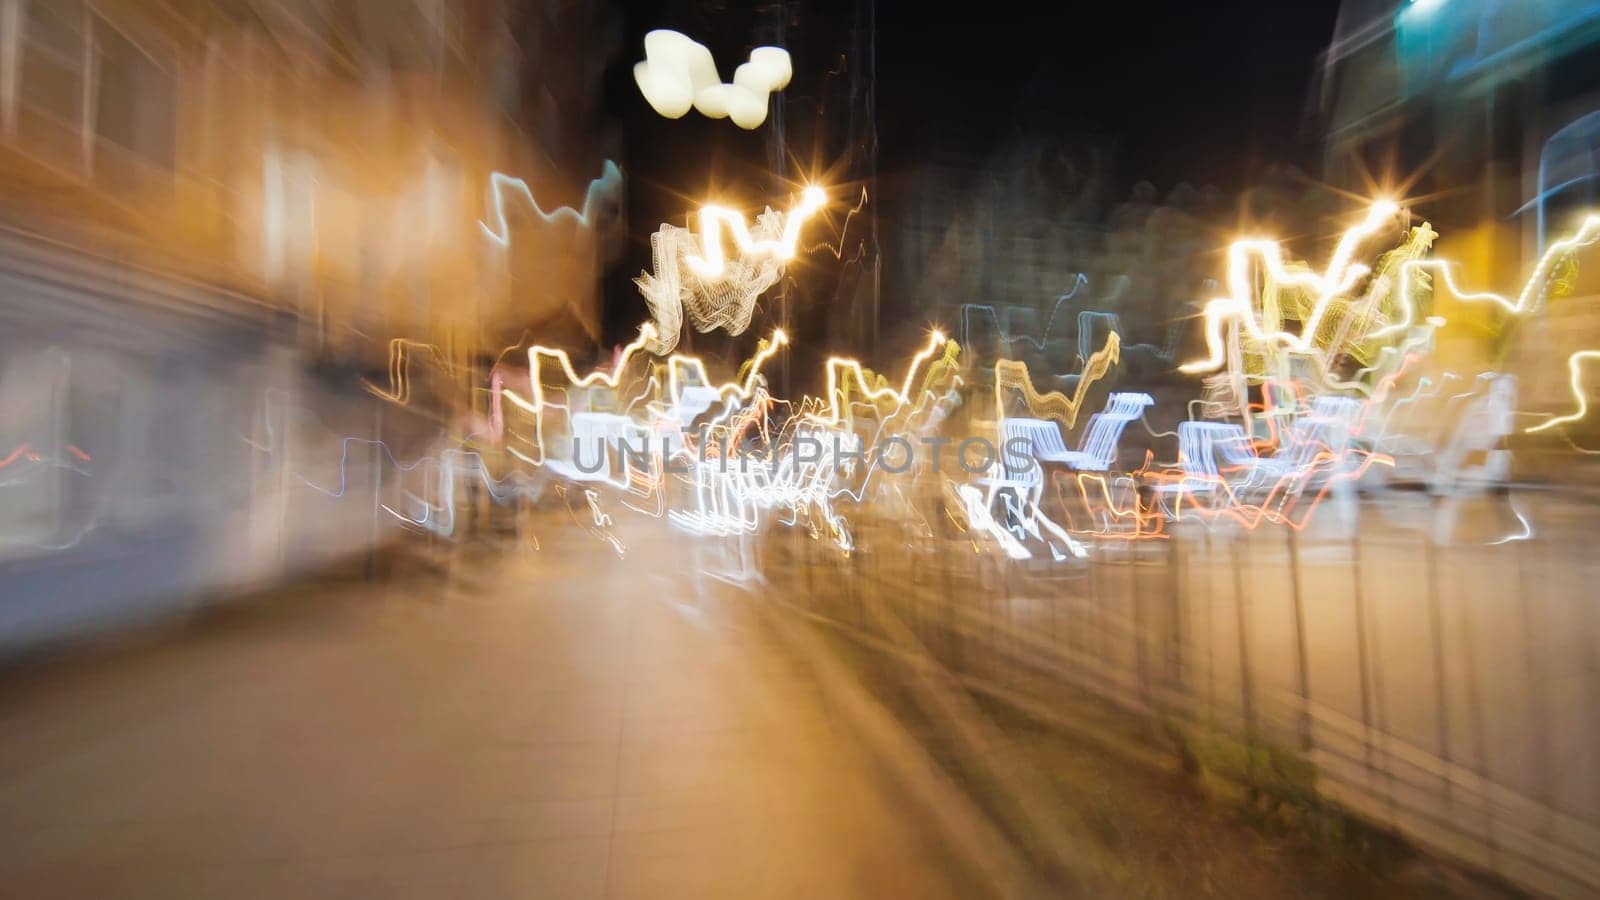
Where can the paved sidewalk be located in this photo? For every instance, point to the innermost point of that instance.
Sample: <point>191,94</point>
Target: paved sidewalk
<point>554,724</point>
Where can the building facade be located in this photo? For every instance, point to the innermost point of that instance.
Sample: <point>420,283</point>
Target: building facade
<point>332,159</point>
<point>1485,116</point>
<point>215,217</point>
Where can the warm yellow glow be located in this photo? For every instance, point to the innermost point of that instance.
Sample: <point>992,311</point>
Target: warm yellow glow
<point>1585,235</point>
<point>837,364</point>
<point>692,278</point>
<point>1239,306</point>
<point>1575,381</point>
<point>399,363</point>
<point>678,361</point>
<point>714,220</point>
<point>1013,374</point>
<point>1525,300</point>
<point>536,353</point>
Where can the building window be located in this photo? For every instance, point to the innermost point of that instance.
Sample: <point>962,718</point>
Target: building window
<point>10,62</point>
<point>76,93</point>
<point>134,114</point>
<point>1569,178</point>
<point>51,93</point>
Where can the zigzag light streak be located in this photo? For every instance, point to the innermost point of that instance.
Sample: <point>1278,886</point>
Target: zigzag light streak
<point>1340,275</point>
<point>1013,374</point>
<point>674,365</point>
<point>399,363</point>
<point>714,220</point>
<point>1525,302</point>
<point>610,180</point>
<point>1079,281</point>
<point>677,362</point>
<point>536,353</point>
<point>1273,307</point>
<point>1575,381</point>
<point>837,364</point>
<point>693,274</point>
<point>1586,234</point>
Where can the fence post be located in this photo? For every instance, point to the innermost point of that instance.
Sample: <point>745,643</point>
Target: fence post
<point>1141,629</point>
<point>1436,625</point>
<point>1180,614</point>
<point>1536,667</point>
<point>1302,672</point>
<point>1246,689</point>
<point>1363,665</point>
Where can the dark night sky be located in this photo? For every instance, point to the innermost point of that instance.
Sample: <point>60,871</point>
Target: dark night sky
<point>1189,90</point>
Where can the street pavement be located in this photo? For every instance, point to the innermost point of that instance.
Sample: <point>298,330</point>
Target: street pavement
<point>559,723</point>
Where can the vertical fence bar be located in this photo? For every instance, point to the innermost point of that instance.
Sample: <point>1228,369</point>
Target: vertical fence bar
<point>1436,625</point>
<point>1176,668</point>
<point>1246,686</point>
<point>1363,664</point>
<point>1302,673</point>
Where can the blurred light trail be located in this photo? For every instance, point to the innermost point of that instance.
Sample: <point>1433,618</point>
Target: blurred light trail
<point>679,362</point>
<point>1527,529</point>
<point>1305,403</point>
<point>14,455</point>
<point>1010,374</point>
<point>1240,307</point>
<point>1532,290</point>
<point>837,397</point>
<point>692,273</point>
<point>1079,281</point>
<point>1575,382</point>
<point>1527,300</point>
<point>399,391</point>
<point>715,220</point>
<point>606,188</point>
<point>538,353</point>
